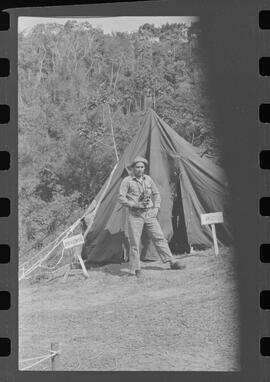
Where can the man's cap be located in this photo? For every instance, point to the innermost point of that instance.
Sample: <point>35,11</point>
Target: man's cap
<point>139,159</point>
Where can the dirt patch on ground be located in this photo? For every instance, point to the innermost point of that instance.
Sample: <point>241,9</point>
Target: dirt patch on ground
<point>166,320</point>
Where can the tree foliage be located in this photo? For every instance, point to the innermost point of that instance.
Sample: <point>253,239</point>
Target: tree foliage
<point>75,84</point>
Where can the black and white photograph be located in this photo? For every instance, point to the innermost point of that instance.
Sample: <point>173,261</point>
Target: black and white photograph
<point>126,247</point>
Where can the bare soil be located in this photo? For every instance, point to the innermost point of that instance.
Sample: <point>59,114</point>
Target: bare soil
<point>175,320</point>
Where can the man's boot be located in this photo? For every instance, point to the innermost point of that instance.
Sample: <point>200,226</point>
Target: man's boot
<point>138,273</point>
<point>174,264</point>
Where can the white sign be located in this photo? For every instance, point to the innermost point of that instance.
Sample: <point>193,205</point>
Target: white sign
<point>213,218</point>
<point>73,241</point>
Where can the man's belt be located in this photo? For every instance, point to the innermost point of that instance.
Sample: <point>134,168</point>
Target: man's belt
<point>138,209</point>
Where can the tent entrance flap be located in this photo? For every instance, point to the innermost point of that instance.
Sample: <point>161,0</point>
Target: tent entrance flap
<point>179,241</point>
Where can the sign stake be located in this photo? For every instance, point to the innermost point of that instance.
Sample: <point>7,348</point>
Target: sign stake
<point>76,254</point>
<point>213,227</point>
<point>78,250</point>
<point>66,273</point>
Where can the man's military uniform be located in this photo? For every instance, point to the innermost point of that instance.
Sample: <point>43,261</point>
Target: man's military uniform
<point>142,198</point>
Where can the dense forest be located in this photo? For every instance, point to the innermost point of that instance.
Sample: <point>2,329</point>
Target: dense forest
<point>81,97</point>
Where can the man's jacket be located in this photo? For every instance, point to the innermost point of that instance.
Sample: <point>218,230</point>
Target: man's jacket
<point>133,193</point>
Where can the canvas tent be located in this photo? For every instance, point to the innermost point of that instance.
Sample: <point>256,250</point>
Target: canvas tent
<point>189,186</point>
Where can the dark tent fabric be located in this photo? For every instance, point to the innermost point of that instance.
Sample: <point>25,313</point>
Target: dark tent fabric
<point>203,190</point>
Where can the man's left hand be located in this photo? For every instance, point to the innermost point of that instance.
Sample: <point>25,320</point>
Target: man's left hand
<point>155,211</point>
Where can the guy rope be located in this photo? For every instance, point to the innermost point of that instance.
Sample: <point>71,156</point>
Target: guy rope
<point>56,243</point>
<point>53,356</point>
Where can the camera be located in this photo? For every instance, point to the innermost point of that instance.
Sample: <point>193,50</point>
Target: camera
<point>145,198</point>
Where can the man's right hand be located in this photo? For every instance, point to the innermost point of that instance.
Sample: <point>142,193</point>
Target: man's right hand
<point>141,205</point>
<point>137,205</point>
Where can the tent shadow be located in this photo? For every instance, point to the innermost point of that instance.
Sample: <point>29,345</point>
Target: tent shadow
<point>122,270</point>
<point>179,257</point>
<point>208,252</point>
<point>114,269</point>
<point>154,268</point>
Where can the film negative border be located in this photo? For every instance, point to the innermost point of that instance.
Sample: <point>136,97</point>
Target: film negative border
<point>8,135</point>
<point>8,181</point>
<point>264,201</point>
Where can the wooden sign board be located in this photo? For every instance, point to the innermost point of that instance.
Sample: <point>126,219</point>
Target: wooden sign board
<point>212,218</point>
<point>73,241</point>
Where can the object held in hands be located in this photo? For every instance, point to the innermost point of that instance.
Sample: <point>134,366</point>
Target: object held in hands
<point>145,199</point>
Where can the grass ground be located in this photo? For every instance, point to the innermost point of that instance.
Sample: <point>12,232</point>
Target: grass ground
<point>166,320</point>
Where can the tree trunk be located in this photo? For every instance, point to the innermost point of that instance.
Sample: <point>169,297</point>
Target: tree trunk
<point>111,81</point>
<point>117,74</point>
<point>114,143</point>
<point>103,122</point>
<point>88,70</point>
<point>136,104</point>
<point>39,75</point>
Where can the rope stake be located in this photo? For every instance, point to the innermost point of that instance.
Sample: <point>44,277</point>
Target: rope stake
<point>53,354</point>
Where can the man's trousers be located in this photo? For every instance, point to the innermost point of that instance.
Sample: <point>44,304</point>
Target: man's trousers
<point>136,223</point>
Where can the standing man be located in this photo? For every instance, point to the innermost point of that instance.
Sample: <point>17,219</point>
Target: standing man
<point>139,193</point>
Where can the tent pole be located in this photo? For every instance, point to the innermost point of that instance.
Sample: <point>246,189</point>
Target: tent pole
<point>114,143</point>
